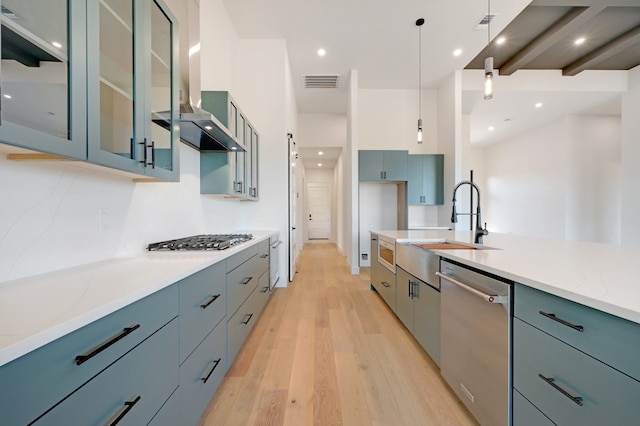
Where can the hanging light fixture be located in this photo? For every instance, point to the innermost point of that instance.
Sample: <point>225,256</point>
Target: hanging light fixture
<point>488,62</point>
<point>419,23</point>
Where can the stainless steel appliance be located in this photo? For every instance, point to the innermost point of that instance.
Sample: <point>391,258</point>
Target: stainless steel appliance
<point>200,242</point>
<point>274,262</point>
<point>387,254</point>
<point>420,263</point>
<point>475,340</point>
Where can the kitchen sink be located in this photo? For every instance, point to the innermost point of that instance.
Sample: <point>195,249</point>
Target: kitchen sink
<point>445,246</point>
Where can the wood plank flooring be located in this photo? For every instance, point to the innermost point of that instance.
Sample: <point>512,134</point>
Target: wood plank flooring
<point>328,351</point>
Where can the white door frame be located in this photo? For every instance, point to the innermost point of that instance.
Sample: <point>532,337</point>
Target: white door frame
<point>292,160</point>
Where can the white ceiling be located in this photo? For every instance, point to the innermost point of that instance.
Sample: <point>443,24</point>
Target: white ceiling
<point>379,38</point>
<point>312,159</point>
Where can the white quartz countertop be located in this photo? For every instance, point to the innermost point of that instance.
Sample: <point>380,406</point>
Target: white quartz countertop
<point>37,310</point>
<point>601,276</point>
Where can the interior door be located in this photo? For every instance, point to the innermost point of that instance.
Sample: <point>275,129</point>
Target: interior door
<point>293,197</point>
<point>319,211</point>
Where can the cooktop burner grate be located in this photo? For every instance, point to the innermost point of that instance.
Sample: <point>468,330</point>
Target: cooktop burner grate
<point>201,242</point>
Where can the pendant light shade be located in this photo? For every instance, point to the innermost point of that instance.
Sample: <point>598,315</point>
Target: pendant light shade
<point>488,78</point>
<point>419,24</point>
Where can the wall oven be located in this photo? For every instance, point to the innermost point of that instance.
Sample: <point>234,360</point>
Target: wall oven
<point>387,254</point>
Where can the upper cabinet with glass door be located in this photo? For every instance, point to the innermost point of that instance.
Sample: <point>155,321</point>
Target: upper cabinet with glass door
<point>43,76</point>
<point>133,89</point>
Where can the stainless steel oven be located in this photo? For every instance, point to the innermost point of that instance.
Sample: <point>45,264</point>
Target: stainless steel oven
<point>387,254</point>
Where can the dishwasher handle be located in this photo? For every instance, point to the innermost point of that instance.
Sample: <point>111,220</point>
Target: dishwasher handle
<point>486,297</point>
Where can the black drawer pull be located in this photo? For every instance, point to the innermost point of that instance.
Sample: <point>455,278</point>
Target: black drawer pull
<point>264,256</point>
<point>127,330</point>
<point>215,365</point>
<point>551,381</point>
<point>127,407</point>
<point>264,290</point>
<point>246,281</point>
<point>561,321</point>
<point>248,319</point>
<point>210,301</point>
<point>385,284</point>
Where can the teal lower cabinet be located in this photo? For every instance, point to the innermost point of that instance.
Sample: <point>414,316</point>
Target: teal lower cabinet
<point>169,414</point>
<point>130,392</point>
<point>418,307</point>
<point>201,374</point>
<point>241,323</point>
<point>570,365</point>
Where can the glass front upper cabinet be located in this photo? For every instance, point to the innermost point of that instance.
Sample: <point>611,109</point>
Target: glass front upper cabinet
<point>43,77</point>
<point>132,91</point>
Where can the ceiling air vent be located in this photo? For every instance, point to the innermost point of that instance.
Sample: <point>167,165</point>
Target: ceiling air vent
<point>485,21</point>
<point>324,81</point>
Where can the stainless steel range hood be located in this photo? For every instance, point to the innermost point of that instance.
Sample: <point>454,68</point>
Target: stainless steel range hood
<point>201,130</point>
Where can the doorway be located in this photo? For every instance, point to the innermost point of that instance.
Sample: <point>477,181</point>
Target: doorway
<point>319,211</point>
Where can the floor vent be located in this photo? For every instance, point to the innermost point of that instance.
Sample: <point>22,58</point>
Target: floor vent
<point>323,81</point>
<point>485,21</point>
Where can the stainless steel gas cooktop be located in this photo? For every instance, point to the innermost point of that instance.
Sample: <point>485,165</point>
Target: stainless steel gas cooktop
<point>201,242</point>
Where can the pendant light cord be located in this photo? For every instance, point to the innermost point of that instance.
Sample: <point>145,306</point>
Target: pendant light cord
<point>488,22</point>
<point>420,72</point>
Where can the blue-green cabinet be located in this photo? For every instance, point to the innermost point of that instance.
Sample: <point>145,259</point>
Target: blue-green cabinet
<point>572,363</point>
<point>132,103</point>
<point>375,166</point>
<point>425,185</point>
<point>230,173</point>
<point>43,76</point>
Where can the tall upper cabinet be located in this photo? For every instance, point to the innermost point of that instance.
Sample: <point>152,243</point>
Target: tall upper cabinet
<point>43,76</point>
<point>133,87</point>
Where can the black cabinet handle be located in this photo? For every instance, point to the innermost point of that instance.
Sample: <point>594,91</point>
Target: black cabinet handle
<point>144,152</point>
<point>264,256</point>
<point>127,407</point>
<point>246,281</point>
<point>85,357</point>
<point>386,284</point>
<point>210,301</point>
<point>561,321</point>
<point>264,290</point>
<point>551,382</point>
<point>215,365</point>
<point>248,319</point>
<point>153,154</point>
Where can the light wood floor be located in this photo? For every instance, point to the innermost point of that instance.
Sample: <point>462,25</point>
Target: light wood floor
<point>328,351</point>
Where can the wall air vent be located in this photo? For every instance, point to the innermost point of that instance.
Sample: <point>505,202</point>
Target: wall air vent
<point>485,21</point>
<point>10,14</point>
<point>321,81</point>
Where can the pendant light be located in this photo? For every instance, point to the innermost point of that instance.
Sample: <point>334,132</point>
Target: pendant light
<point>488,62</point>
<point>419,24</point>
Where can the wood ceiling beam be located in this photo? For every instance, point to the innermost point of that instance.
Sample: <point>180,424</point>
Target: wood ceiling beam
<point>566,25</point>
<point>615,46</point>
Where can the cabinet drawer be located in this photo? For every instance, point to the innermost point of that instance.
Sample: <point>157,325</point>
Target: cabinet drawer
<point>203,298</point>
<point>526,414</point>
<point>201,374</point>
<point>43,377</point>
<point>386,286</point>
<point>239,258</point>
<point>262,261</point>
<point>608,338</point>
<point>144,378</point>
<point>608,396</point>
<point>240,283</point>
<point>240,324</point>
<point>169,414</point>
<point>263,292</point>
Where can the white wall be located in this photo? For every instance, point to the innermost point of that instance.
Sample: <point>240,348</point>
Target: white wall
<point>561,181</point>
<point>377,212</point>
<point>350,167</point>
<point>630,161</point>
<point>322,130</point>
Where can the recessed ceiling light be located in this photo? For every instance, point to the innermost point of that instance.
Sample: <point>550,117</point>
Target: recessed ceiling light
<point>579,41</point>
<point>457,52</point>
<point>539,105</point>
<point>234,148</point>
<point>8,96</point>
<point>320,153</point>
<point>208,127</point>
<point>319,164</point>
<point>501,40</point>
<point>322,52</point>
<point>491,128</point>
<point>56,44</point>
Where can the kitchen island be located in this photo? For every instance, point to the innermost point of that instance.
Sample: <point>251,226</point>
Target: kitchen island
<point>571,321</point>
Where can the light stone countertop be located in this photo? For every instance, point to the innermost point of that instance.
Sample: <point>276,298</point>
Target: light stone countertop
<point>37,310</point>
<point>602,276</point>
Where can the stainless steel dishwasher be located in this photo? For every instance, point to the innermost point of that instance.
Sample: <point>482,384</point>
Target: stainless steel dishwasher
<point>475,325</point>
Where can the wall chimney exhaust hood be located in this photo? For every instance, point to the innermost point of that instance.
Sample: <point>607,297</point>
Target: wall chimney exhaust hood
<point>201,130</point>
